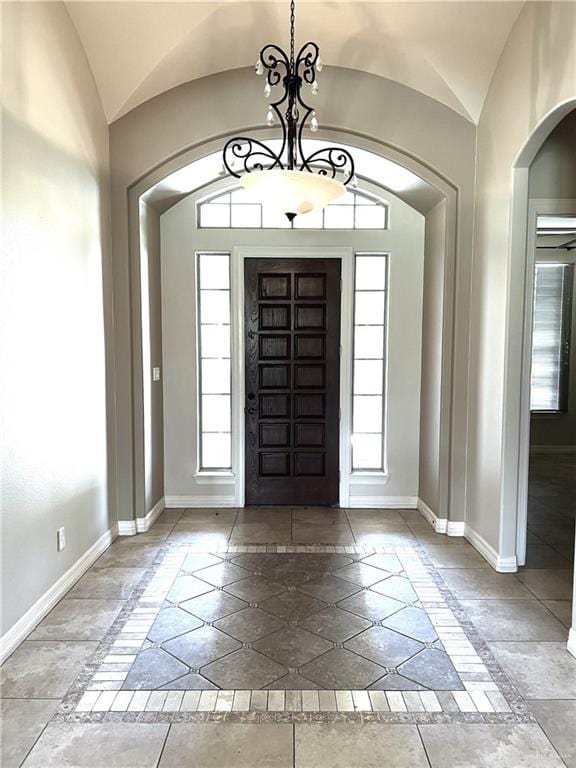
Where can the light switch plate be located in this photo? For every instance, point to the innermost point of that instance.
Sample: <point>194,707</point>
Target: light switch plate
<point>61,538</point>
<point>156,373</point>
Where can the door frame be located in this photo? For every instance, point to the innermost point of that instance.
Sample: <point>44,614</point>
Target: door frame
<point>346,256</point>
<point>536,207</point>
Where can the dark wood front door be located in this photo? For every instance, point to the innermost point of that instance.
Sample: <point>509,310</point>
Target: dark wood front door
<point>292,327</point>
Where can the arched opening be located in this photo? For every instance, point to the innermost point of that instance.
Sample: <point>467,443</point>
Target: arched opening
<point>194,176</point>
<point>541,187</point>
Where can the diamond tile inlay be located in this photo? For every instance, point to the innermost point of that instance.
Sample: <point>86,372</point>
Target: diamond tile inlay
<point>292,606</point>
<point>255,589</point>
<point>362,574</point>
<point>335,624</point>
<point>249,625</point>
<point>244,669</point>
<point>222,574</point>
<point>370,605</point>
<point>342,669</point>
<point>329,588</point>
<point>213,606</point>
<point>412,622</point>
<point>172,622</point>
<point>152,669</point>
<point>201,646</point>
<point>384,646</point>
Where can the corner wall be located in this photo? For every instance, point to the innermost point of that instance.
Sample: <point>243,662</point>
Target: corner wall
<point>536,74</point>
<point>55,313</point>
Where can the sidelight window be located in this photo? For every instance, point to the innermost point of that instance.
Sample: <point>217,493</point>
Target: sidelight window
<point>215,407</point>
<point>370,298</point>
<point>551,337</point>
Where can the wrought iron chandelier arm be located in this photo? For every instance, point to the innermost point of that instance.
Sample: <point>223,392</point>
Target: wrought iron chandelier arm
<point>306,60</point>
<point>273,57</point>
<point>254,156</point>
<point>329,162</point>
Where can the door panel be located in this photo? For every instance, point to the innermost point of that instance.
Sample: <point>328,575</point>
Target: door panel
<point>292,324</point>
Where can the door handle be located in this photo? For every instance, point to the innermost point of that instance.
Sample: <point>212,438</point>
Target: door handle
<point>251,411</point>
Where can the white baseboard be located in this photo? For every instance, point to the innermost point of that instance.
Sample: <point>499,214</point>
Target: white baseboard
<point>144,524</point>
<point>456,528</point>
<point>537,449</point>
<point>571,646</point>
<point>440,524</point>
<point>499,563</point>
<point>382,502</point>
<point>34,615</point>
<point>185,502</point>
<point>127,528</point>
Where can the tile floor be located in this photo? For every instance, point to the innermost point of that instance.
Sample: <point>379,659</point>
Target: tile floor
<point>516,624</point>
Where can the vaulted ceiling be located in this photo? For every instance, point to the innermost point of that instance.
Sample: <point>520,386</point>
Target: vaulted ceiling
<point>446,50</point>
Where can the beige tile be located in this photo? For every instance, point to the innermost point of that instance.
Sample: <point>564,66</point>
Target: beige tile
<point>450,556</point>
<point>539,670</point>
<point>488,746</point>
<point>78,619</point>
<point>558,721</point>
<point>42,669</point>
<point>94,745</point>
<point>228,745</point>
<point>22,722</point>
<point>548,584</point>
<point>562,609</point>
<point>483,583</point>
<point>116,583</point>
<point>359,746</point>
<point>514,620</point>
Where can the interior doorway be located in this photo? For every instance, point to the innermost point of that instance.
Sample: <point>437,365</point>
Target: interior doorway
<point>292,381</point>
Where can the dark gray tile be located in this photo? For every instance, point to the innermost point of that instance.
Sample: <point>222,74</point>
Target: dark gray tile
<point>244,669</point>
<point>384,646</point>
<point>261,533</point>
<point>292,646</point>
<point>152,669</point>
<point>323,562</point>
<point>264,515</point>
<point>197,560</point>
<point>260,561</point>
<point>189,682</point>
<point>249,625</point>
<point>186,587</point>
<point>397,587</point>
<point>335,624</point>
<point>319,516</point>
<point>201,646</point>
<point>292,606</point>
<point>433,669</point>
<point>293,682</point>
<point>388,563</point>
<point>255,589</point>
<point>172,622</point>
<point>413,622</point>
<point>329,588</point>
<point>341,669</point>
<point>292,574</point>
<point>396,682</point>
<point>214,605</point>
<point>222,574</point>
<point>362,574</point>
<point>370,605</point>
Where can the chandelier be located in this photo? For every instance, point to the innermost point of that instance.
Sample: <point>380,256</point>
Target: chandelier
<point>291,180</point>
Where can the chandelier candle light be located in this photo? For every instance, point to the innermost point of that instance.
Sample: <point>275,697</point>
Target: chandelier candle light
<point>290,180</point>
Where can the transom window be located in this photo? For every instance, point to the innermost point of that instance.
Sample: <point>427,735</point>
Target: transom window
<point>237,209</point>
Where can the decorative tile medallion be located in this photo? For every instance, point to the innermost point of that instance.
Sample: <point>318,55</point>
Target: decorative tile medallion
<point>271,633</point>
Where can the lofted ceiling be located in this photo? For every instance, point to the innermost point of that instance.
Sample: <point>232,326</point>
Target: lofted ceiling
<point>446,50</point>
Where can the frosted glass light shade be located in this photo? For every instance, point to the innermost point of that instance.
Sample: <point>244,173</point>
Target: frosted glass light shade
<point>293,192</point>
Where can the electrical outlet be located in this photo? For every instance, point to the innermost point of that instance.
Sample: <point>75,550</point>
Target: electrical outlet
<point>61,538</point>
<point>156,374</point>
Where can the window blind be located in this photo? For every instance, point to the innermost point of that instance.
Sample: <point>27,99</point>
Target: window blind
<point>551,336</point>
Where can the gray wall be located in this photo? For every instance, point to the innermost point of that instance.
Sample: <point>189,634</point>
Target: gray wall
<point>174,122</point>
<point>431,386</point>
<point>152,391</point>
<point>535,75</point>
<point>405,243</point>
<point>56,260</point>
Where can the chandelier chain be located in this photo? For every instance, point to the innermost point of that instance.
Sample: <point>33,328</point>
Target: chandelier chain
<point>292,31</point>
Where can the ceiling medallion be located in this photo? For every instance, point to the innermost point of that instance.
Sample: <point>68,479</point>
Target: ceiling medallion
<point>291,180</point>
